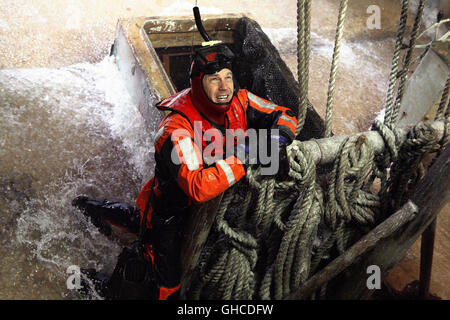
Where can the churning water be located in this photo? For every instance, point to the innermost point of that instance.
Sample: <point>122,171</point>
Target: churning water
<point>63,132</point>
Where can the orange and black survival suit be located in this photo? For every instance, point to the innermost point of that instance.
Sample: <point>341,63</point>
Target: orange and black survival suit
<point>193,162</point>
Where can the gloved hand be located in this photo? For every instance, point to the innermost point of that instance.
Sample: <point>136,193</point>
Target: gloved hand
<point>246,153</point>
<point>273,165</point>
<point>284,166</point>
<point>90,208</point>
<point>280,158</point>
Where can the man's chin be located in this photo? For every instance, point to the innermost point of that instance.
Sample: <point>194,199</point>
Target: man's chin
<point>223,106</point>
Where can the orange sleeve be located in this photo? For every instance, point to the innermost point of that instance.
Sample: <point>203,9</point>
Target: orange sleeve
<point>206,183</point>
<point>262,113</point>
<point>177,147</point>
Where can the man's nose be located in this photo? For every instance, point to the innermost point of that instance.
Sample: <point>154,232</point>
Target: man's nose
<point>223,85</point>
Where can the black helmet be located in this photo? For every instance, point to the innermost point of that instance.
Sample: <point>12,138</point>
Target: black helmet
<point>211,59</point>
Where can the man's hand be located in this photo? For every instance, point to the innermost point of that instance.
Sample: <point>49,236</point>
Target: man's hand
<point>284,166</point>
<point>246,153</point>
<point>279,161</point>
<point>90,208</point>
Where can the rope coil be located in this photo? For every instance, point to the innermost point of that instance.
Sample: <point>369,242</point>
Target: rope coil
<point>346,198</point>
<point>272,237</point>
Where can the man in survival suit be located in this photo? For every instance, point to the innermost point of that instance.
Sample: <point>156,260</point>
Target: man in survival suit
<point>191,170</point>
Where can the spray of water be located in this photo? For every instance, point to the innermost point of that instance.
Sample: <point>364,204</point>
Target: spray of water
<point>63,132</point>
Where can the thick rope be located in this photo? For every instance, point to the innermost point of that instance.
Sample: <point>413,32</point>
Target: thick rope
<point>292,261</point>
<point>234,255</point>
<point>346,199</point>
<point>407,60</point>
<point>303,53</point>
<point>264,247</point>
<point>443,111</point>
<point>394,69</point>
<point>392,140</point>
<point>405,172</point>
<point>334,67</point>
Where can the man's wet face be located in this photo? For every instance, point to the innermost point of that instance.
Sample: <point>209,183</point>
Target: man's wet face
<point>219,86</point>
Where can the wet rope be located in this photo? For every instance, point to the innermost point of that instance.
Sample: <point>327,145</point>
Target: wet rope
<point>388,119</point>
<point>382,162</point>
<point>291,264</point>
<point>408,169</point>
<point>334,67</point>
<point>264,246</point>
<point>407,60</point>
<point>303,53</point>
<point>444,108</point>
<point>234,257</point>
<point>346,198</point>
<point>443,111</point>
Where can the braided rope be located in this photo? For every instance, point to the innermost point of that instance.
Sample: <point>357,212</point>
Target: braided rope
<point>446,136</point>
<point>303,52</point>
<point>234,255</point>
<point>291,264</point>
<point>443,111</point>
<point>347,178</point>
<point>392,139</point>
<point>394,69</point>
<point>421,140</point>
<point>266,248</point>
<point>334,67</point>
<point>407,60</point>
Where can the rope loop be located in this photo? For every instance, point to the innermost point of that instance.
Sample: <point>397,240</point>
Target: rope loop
<point>346,198</point>
<point>420,141</point>
<point>392,140</point>
<point>302,167</point>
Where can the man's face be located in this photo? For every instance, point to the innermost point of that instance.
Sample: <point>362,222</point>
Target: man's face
<point>219,86</point>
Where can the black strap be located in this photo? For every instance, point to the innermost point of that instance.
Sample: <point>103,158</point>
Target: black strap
<point>143,226</point>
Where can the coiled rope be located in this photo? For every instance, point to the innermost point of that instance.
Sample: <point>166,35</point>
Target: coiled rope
<point>266,243</point>
<point>408,170</point>
<point>233,256</point>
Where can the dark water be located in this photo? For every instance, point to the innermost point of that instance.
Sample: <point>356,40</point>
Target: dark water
<point>63,132</point>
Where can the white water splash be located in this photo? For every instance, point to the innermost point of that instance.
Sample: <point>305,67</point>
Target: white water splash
<point>124,119</point>
<point>75,130</point>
